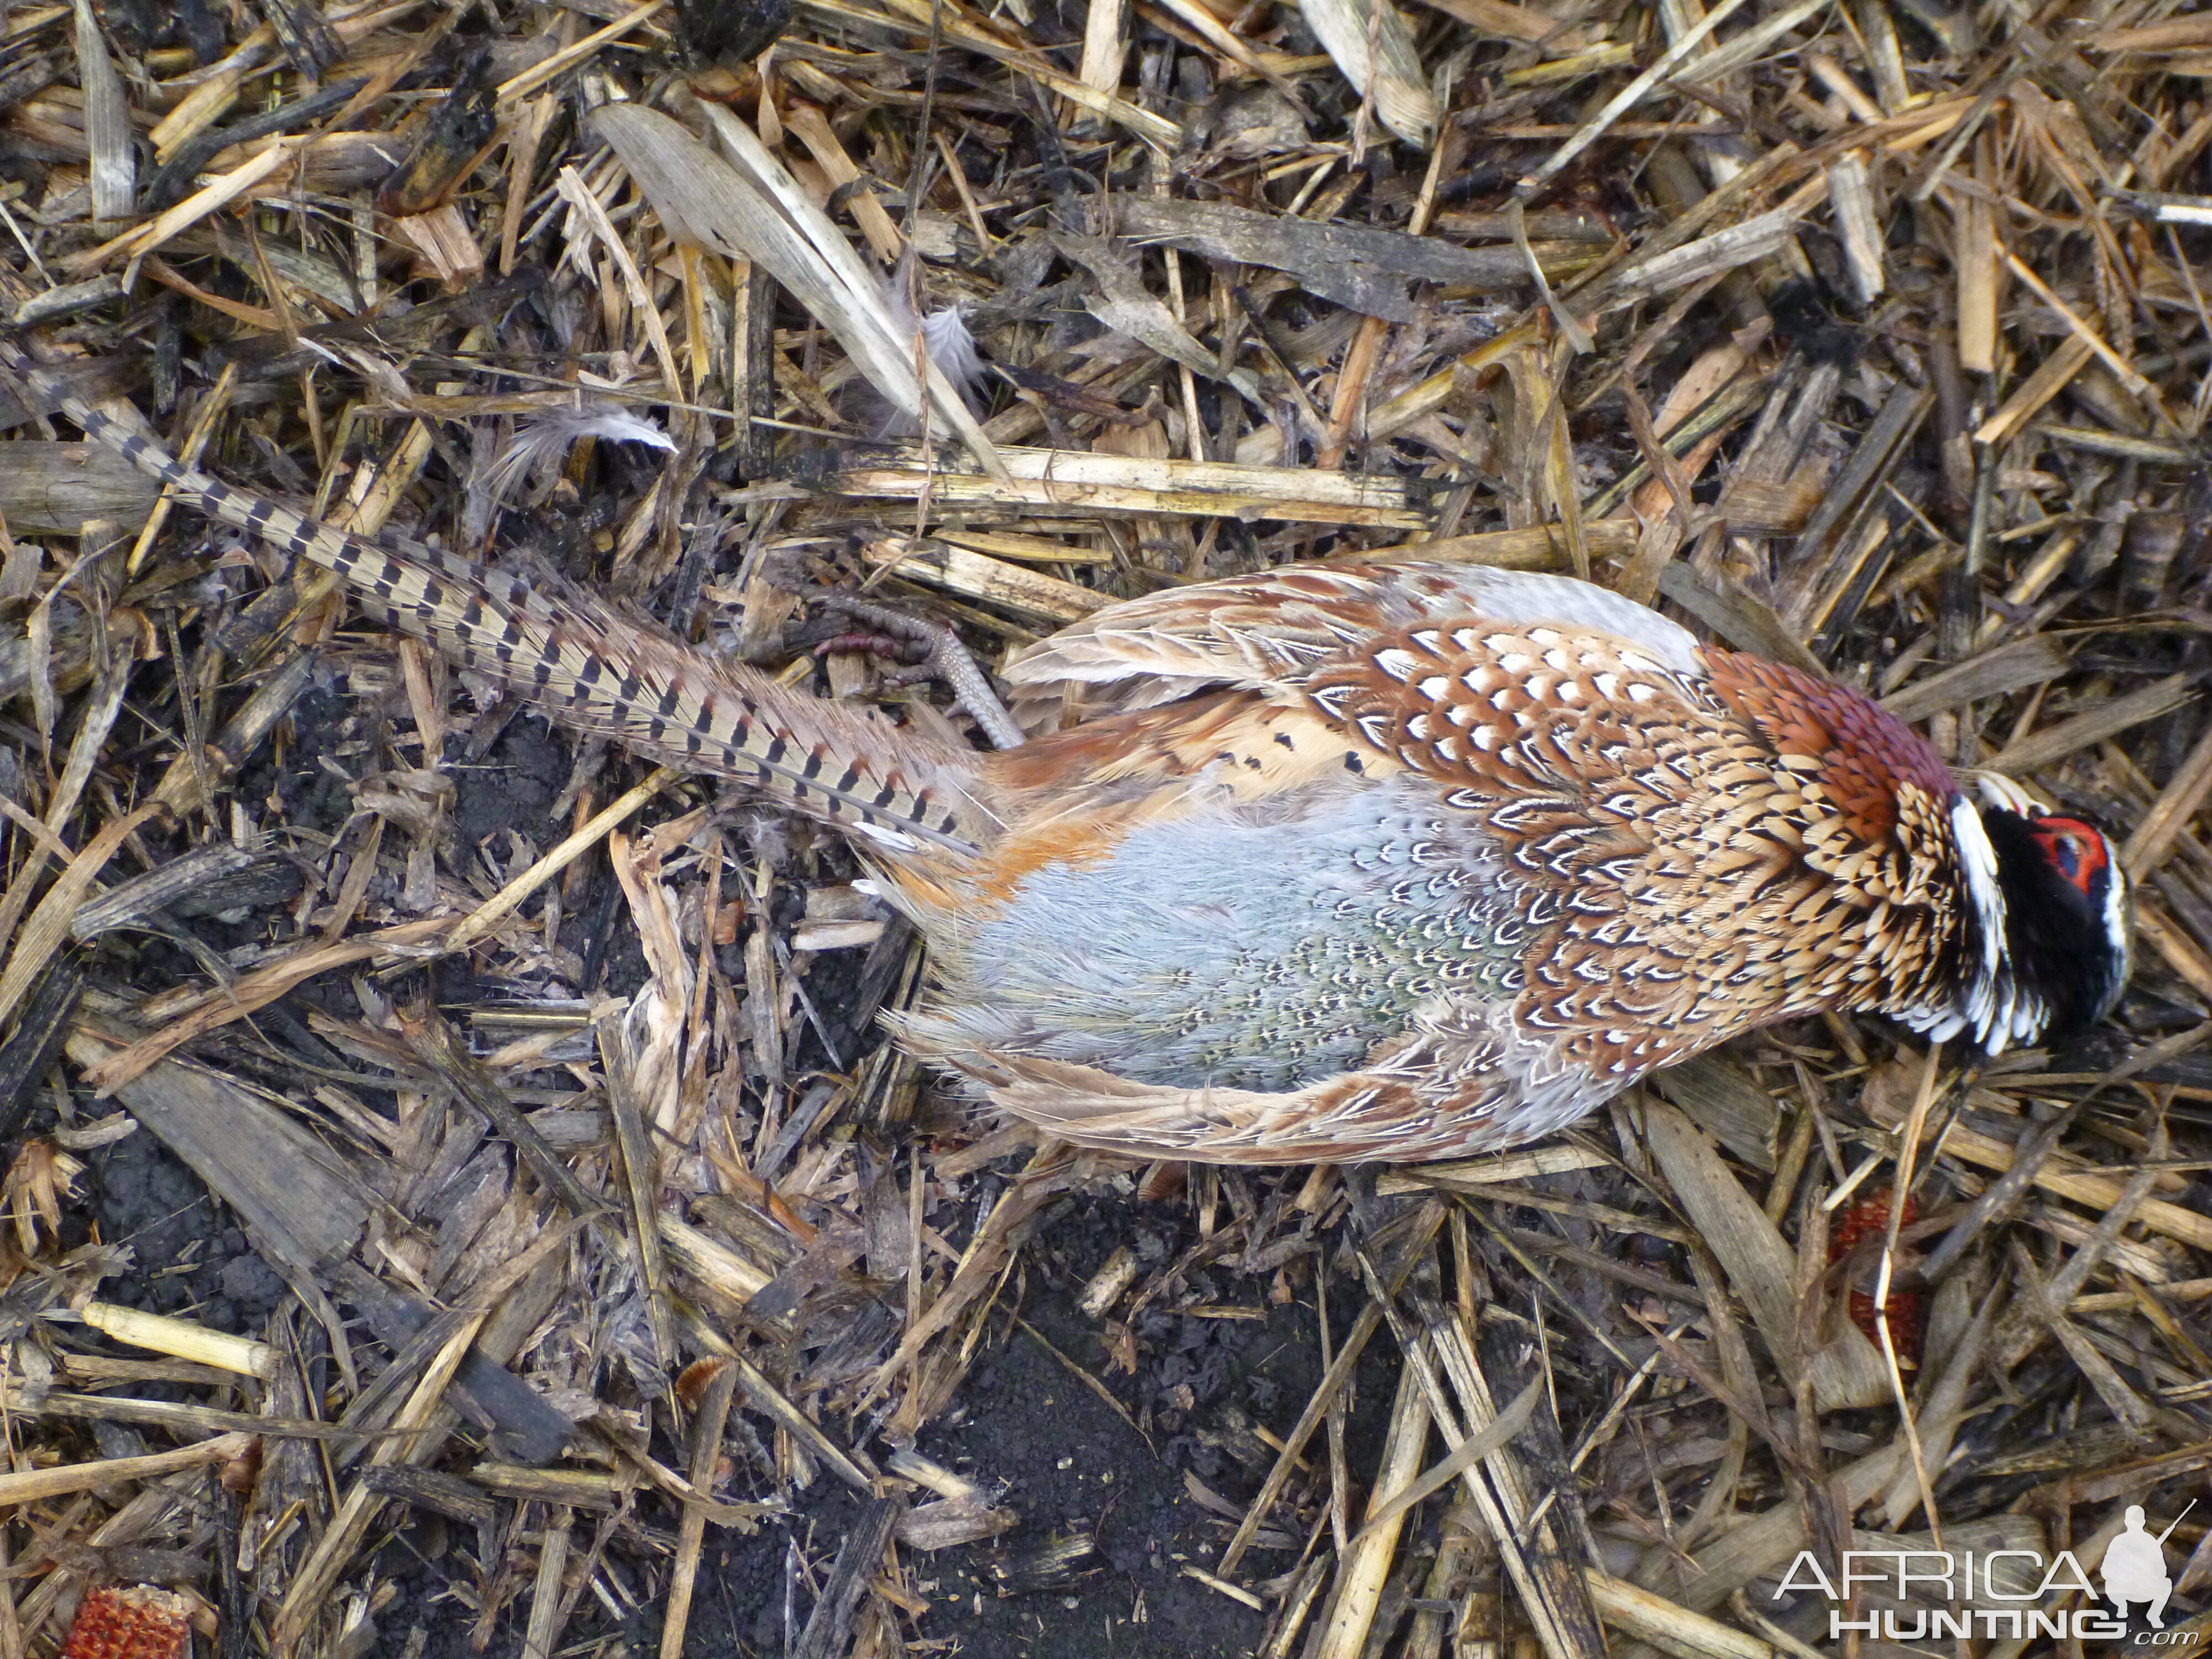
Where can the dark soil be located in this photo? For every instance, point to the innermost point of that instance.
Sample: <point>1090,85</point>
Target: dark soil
<point>196,1262</point>
<point>1023,1422</point>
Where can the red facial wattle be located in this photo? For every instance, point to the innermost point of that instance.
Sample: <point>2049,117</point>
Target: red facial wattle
<point>2073,849</point>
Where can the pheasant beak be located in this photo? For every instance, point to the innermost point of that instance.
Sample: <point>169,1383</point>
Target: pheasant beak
<point>1993,789</point>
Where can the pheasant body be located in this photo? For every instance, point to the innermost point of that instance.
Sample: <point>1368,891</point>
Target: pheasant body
<point>1393,862</point>
<point>1459,855</point>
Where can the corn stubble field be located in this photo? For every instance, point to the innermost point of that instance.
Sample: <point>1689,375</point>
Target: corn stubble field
<point>459,1199</point>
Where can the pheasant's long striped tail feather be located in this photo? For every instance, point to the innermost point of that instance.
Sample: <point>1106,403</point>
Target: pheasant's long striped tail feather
<point>599,669</point>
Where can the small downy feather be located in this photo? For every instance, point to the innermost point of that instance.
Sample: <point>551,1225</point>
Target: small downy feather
<point>945,337</point>
<point>549,436</point>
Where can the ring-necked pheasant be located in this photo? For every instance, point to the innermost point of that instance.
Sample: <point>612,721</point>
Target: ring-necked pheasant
<point>1394,861</point>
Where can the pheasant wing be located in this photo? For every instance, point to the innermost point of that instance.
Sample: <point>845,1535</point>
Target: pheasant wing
<point>1272,632</point>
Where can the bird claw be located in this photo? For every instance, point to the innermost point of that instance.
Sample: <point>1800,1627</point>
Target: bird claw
<point>945,658</point>
<point>882,646</point>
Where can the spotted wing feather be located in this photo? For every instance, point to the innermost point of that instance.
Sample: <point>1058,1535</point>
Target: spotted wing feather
<point>1702,854</point>
<point>1270,632</point>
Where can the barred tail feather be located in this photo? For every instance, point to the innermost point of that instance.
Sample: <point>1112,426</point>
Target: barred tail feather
<point>599,669</point>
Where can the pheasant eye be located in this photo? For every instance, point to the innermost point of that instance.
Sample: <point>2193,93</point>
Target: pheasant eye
<point>2075,851</point>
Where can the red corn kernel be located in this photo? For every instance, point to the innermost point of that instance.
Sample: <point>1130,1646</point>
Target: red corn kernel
<point>1857,1222</point>
<point>130,1621</point>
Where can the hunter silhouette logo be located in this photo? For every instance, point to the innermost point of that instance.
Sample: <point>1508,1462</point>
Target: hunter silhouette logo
<point>2134,1567</point>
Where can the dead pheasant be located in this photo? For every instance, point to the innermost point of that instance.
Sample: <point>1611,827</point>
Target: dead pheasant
<point>1398,861</point>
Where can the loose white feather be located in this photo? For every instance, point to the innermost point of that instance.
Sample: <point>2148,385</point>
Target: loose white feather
<point>945,337</point>
<point>549,436</point>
